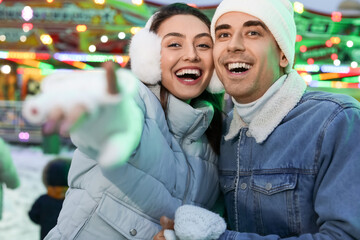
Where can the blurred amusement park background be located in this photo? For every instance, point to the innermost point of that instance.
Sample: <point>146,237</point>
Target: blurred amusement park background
<point>39,37</point>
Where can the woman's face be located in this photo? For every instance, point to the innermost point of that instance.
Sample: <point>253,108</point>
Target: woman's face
<point>186,56</point>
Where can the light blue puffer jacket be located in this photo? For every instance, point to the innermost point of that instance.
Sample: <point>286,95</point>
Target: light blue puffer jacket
<point>173,165</point>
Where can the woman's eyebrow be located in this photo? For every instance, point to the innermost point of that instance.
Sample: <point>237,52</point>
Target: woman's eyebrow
<point>174,34</point>
<point>200,35</point>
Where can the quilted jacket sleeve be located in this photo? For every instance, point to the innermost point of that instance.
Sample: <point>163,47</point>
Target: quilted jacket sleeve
<point>112,132</point>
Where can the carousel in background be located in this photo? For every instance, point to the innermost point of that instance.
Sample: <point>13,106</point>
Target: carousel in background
<point>42,36</point>
<point>328,48</point>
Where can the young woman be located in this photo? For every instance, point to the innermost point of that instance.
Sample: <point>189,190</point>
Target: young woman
<point>170,157</point>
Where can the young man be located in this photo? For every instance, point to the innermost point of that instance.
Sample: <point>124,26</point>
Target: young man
<point>290,159</point>
<point>289,162</point>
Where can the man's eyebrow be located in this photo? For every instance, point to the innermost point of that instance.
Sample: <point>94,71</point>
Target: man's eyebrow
<point>222,26</point>
<point>255,23</point>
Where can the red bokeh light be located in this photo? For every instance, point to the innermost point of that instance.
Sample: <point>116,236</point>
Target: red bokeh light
<point>298,38</point>
<point>334,56</point>
<point>310,61</point>
<point>328,43</point>
<point>303,48</point>
<point>336,16</point>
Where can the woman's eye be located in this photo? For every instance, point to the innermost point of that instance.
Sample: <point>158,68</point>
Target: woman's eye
<point>204,45</point>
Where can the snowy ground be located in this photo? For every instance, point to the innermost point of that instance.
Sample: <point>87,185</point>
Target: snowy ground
<point>29,161</point>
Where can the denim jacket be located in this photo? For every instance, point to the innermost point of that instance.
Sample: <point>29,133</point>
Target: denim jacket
<point>294,171</point>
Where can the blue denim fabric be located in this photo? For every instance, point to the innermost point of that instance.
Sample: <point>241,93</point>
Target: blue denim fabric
<point>303,181</point>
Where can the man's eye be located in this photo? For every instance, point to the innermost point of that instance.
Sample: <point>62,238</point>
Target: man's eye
<point>223,35</point>
<point>174,45</point>
<point>254,33</point>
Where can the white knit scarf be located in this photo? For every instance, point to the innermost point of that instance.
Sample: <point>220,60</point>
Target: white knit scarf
<point>272,113</point>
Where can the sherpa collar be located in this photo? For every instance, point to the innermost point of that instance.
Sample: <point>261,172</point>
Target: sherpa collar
<point>273,111</point>
<point>185,121</point>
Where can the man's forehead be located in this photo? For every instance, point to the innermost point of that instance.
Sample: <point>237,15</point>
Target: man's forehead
<point>231,18</point>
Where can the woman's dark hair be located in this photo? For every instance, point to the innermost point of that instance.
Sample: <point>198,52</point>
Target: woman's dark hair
<point>213,133</point>
<point>176,9</point>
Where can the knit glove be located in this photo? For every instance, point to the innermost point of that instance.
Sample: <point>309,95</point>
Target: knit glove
<point>196,223</point>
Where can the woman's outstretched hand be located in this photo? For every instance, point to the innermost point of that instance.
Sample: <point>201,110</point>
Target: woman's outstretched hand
<point>166,224</point>
<point>97,107</point>
<point>68,97</point>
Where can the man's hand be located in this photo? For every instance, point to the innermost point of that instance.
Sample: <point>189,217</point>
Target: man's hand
<point>166,224</point>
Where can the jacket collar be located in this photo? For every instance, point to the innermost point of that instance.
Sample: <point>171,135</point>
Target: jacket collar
<point>273,111</point>
<point>185,121</point>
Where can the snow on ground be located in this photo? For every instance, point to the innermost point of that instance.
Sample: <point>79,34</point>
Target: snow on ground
<point>29,161</point>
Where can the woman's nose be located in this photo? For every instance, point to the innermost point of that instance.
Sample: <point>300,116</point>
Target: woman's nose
<point>191,54</point>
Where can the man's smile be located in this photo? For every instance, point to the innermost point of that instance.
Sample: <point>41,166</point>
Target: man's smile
<point>238,67</point>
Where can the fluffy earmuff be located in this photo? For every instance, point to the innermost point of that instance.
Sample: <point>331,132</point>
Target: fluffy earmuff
<point>144,52</point>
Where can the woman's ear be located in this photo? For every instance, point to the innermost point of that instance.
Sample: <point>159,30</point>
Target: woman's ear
<point>283,60</point>
<point>145,56</point>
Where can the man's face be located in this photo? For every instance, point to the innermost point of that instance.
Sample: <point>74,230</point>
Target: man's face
<point>247,58</point>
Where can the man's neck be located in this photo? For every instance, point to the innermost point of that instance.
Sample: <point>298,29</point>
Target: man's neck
<point>248,111</point>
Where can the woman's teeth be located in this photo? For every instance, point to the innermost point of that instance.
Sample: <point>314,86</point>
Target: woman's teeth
<point>188,74</point>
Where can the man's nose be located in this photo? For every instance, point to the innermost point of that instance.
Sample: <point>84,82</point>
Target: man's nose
<point>236,43</point>
<point>191,54</point>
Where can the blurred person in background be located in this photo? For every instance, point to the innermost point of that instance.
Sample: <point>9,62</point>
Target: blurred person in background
<point>47,207</point>
<point>8,173</point>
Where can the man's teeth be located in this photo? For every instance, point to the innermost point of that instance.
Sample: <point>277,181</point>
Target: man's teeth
<point>232,66</point>
<point>182,72</point>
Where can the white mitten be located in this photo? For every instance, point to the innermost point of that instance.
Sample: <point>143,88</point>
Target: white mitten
<point>170,235</point>
<point>66,89</point>
<point>196,223</point>
<point>114,133</point>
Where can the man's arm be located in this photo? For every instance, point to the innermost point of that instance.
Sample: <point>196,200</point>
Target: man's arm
<point>336,191</point>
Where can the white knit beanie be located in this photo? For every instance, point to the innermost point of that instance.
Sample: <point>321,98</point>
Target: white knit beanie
<point>277,15</point>
<point>145,55</point>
